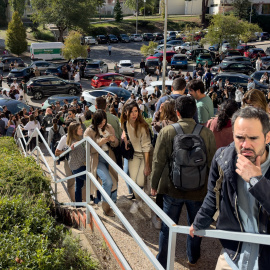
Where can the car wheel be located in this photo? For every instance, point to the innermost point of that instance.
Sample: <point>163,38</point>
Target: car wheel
<point>72,92</point>
<point>38,95</point>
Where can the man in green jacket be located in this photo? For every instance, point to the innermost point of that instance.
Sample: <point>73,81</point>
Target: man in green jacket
<point>174,199</point>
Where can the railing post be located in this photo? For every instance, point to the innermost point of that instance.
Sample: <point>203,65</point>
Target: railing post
<point>87,181</point>
<point>37,144</point>
<point>171,249</point>
<point>55,184</point>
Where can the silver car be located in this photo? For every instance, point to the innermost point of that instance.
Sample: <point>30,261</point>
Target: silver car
<point>95,67</point>
<point>6,61</point>
<point>42,66</point>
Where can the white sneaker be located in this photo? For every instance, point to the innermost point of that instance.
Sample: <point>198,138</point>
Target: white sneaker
<point>156,221</point>
<point>135,206</point>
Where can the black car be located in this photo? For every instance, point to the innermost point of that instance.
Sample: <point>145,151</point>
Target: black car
<point>158,36</point>
<point>193,54</point>
<point>51,85</point>
<point>239,80</point>
<point>267,51</point>
<point>124,38</point>
<point>151,65</point>
<point>101,39</point>
<point>57,71</point>
<point>264,36</point>
<point>7,60</point>
<point>232,53</point>
<point>112,39</point>
<point>234,67</point>
<point>14,106</point>
<point>258,74</point>
<point>241,59</point>
<point>148,37</point>
<point>176,42</point>
<point>19,74</point>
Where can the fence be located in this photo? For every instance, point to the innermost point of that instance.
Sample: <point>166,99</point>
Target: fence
<point>173,228</point>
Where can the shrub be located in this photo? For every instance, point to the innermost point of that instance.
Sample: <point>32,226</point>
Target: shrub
<point>43,35</point>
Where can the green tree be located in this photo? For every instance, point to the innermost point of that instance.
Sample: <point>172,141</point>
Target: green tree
<point>150,49</point>
<point>149,4</point>
<point>72,14</point>
<point>73,47</point>
<point>249,30</point>
<point>3,19</point>
<point>241,8</point>
<point>117,12</point>
<point>224,28</point>
<point>18,5</point>
<point>16,35</point>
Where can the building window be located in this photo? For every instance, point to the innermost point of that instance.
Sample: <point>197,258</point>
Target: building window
<point>266,9</point>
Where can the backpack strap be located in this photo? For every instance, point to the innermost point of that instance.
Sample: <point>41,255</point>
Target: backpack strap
<point>178,128</point>
<point>217,189</point>
<point>197,129</point>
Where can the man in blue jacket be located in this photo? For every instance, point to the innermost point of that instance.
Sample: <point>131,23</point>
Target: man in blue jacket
<point>240,175</point>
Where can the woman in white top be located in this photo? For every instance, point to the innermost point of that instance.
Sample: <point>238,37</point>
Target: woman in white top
<point>258,64</point>
<point>77,77</point>
<point>139,136</point>
<point>31,126</point>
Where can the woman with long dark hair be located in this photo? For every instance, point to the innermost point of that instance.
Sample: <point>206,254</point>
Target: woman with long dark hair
<point>139,135</point>
<point>55,134</point>
<point>221,125</point>
<point>103,134</point>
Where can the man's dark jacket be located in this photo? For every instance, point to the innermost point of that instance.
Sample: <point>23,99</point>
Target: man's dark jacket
<point>229,218</point>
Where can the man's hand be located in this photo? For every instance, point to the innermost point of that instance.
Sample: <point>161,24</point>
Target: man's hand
<point>246,169</point>
<point>191,231</point>
<point>153,192</point>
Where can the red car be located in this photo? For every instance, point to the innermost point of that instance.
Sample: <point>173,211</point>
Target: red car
<point>105,79</point>
<point>254,53</point>
<point>159,56</point>
<point>243,48</point>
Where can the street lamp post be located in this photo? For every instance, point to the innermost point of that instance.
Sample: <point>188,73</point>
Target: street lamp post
<point>250,12</point>
<point>137,17</point>
<point>164,48</point>
<point>144,7</point>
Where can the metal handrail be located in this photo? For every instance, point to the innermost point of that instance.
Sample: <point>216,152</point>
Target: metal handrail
<point>173,228</point>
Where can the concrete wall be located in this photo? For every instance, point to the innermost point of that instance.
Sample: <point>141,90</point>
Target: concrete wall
<point>193,7</point>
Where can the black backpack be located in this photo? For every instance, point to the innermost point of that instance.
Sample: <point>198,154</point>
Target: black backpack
<point>56,135</point>
<point>188,165</point>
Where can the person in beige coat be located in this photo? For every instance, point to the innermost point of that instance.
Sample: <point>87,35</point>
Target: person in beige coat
<point>103,134</point>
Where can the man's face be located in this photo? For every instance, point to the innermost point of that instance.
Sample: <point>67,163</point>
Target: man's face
<point>71,114</point>
<point>249,138</point>
<point>193,93</point>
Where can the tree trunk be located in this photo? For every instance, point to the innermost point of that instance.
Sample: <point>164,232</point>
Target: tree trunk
<point>61,30</point>
<point>204,8</point>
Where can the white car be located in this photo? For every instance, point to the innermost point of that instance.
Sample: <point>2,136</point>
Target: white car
<point>225,47</point>
<point>89,40</point>
<point>169,47</point>
<point>187,46</point>
<point>135,37</point>
<point>151,89</point>
<point>126,67</point>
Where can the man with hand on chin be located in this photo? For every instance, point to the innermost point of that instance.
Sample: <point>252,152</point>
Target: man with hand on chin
<point>239,191</point>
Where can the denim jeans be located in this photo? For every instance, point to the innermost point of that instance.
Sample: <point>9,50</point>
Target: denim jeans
<point>125,169</point>
<point>104,175</point>
<point>79,182</point>
<point>172,207</point>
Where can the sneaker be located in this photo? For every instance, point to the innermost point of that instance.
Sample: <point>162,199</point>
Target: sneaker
<point>135,206</point>
<point>191,264</point>
<point>156,221</point>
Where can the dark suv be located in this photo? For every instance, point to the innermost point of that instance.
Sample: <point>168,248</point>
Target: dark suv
<point>239,79</point>
<point>124,38</point>
<point>51,85</point>
<point>19,74</point>
<point>148,36</point>
<point>151,65</point>
<point>101,39</point>
<point>264,36</point>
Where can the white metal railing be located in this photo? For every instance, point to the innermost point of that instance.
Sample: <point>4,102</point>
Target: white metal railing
<point>173,228</point>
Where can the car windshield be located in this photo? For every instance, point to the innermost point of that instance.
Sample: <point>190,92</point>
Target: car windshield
<point>224,64</point>
<point>14,107</point>
<point>98,93</point>
<point>234,53</point>
<point>95,78</point>
<point>179,58</point>
<point>15,74</point>
<point>158,54</point>
<point>152,63</point>
<point>92,66</point>
<point>266,58</point>
<point>126,64</point>
<point>205,56</point>
<point>124,35</point>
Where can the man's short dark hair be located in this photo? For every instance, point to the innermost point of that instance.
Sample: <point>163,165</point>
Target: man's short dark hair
<point>196,85</point>
<point>179,84</point>
<point>253,113</point>
<point>101,103</point>
<point>186,106</point>
<point>72,110</point>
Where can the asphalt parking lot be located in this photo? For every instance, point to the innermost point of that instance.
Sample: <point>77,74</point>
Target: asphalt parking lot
<point>120,51</point>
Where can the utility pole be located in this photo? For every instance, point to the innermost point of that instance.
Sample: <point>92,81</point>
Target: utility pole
<point>144,8</point>
<point>250,12</point>
<point>164,48</point>
<point>137,17</point>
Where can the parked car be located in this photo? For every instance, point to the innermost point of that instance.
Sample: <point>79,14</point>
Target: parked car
<point>19,74</point>
<point>238,79</point>
<point>236,67</point>
<point>100,80</point>
<point>148,37</point>
<point>244,47</point>
<point>179,61</point>
<point>264,36</point>
<point>231,52</point>
<point>175,42</point>
<point>203,58</point>
<point>57,71</point>
<point>225,47</point>
<point>112,38</point>
<point>193,54</point>
<point>101,39</point>
<point>135,37</point>
<point>81,60</point>
<point>254,53</point>
<point>158,36</point>
<point>95,67</point>
<point>126,67</point>
<point>151,65</point>
<point>91,95</point>
<point>214,47</point>
<point>60,98</point>
<point>151,89</point>
<point>14,106</point>
<point>169,47</point>
<point>124,38</point>
<point>51,85</point>
<point>187,46</point>
<point>241,59</point>
<point>159,55</point>
<point>41,65</point>
<point>267,51</point>
<point>258,74</point>
<point>89,40</point>
<point>6,61</point>
<point>266,62</point>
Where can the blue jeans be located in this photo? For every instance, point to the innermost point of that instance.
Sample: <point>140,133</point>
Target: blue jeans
<point>172,207</point>
<point>79,182</point>
<point>104,175</point>
<point>125,169</point>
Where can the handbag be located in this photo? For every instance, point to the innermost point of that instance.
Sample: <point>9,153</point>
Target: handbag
<point>127,154</point>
